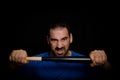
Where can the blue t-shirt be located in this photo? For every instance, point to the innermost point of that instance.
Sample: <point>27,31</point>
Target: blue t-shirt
<point>50,70</point>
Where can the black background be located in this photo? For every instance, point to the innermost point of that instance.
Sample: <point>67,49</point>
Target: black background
<point>92,28</point>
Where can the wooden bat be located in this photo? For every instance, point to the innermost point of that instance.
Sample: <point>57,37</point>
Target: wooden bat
<point>65,59</point>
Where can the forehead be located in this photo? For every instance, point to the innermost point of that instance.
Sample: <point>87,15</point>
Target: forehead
<point>58,32</point>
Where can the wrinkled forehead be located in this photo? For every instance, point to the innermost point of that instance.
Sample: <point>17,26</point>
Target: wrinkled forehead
<point>59,32</point>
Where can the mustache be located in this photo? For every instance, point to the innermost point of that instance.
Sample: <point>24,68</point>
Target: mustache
<point>59,48</point>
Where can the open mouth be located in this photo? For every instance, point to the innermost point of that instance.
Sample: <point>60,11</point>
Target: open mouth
<point>60,52</point>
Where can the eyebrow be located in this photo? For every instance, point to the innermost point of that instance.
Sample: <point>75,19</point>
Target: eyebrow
<point>62,38</point>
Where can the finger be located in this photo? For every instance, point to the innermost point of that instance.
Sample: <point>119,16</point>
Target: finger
<point>17,56</point>
<point>23,59</point>
<point>10,58</point>
<point>104,58</point>
<point>99,60</point>
<point>97,57</point>
<point>21,55</point>
<point>12,55</point>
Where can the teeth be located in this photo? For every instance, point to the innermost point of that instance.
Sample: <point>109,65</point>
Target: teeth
<point>59,52</point>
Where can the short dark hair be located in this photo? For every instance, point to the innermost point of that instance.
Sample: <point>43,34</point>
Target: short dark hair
<point>59,24</point>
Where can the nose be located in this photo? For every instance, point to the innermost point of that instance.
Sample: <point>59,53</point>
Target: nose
<point>59,44</point>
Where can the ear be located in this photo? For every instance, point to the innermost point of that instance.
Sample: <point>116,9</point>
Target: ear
<point>71,38</point>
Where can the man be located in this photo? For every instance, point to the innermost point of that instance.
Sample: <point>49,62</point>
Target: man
<point>59,38</point>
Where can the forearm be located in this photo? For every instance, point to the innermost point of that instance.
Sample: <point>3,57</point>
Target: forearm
<point>107,66</point>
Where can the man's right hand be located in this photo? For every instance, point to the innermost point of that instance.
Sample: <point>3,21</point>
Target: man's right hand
<point>18,56</point>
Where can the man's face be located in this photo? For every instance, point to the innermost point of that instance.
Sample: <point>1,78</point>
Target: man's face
<point>59,41</point>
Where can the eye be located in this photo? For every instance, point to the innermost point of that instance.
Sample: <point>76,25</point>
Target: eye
<point>64,39</point>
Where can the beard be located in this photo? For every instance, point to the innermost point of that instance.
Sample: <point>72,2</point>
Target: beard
<point>59,52</point>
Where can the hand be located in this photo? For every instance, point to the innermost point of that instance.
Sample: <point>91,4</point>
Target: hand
<point>98,58</point>
<point>18,56</point>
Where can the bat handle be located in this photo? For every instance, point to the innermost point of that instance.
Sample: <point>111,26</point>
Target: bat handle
<point>34,58</point>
